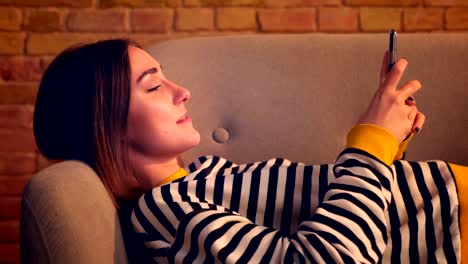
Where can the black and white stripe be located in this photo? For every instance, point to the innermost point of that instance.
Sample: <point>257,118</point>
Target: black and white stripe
<point>423,215</point>
<point>358,210</point>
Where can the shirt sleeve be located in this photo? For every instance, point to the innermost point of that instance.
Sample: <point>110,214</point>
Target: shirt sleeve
<point>349,226</point>
<point>365,136</point>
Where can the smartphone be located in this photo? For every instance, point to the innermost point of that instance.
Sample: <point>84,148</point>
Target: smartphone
<point>392,49</point>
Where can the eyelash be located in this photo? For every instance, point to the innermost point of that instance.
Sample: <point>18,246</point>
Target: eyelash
<point>154,88</point>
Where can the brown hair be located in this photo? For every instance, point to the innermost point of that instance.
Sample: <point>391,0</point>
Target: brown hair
<point>82,107</point>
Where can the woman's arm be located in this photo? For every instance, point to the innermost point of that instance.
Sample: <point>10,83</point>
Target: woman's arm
<point>349,224</point>
<point>288,193</point>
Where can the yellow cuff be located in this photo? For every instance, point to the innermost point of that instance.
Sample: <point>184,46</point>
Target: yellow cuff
<point>402,147</point>
<point>461,178</point>
<point>176,175</point>
<point>375,140</point>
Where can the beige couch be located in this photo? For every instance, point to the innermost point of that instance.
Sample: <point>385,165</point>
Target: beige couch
<point>255,97</point>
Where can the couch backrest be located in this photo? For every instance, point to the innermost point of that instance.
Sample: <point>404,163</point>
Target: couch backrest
<point>296,96</point>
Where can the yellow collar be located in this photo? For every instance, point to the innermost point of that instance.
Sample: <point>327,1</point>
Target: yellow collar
<point>174,176</point>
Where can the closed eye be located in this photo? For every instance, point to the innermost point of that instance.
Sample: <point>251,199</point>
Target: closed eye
<point>154,88</point>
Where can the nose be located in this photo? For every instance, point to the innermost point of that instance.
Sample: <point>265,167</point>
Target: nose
<point>181,94</point>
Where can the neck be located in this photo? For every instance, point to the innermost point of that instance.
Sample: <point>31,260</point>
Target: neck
<point>150,171</point>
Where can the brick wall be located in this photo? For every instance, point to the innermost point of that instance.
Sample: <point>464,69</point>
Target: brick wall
<point>33,31</point>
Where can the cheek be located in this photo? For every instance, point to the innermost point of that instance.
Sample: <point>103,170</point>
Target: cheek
<point>148,121</point>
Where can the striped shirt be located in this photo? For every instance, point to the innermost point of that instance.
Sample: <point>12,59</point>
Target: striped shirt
<point>358,210</point>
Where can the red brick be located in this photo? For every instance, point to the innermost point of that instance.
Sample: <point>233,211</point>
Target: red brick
<point>12,116</point>
<point>319,2</point>
<point>192,3</point>
<point>457,18</point>
<point>98,21</point>
<point>20,68</point>
<point>288,20</point>
<point>141,3</point>
<point>383,2</point>
<point>236,18</point>
<point>18,93</point>
<point>446,2</point>
<point>45,61</point>
<point>10,19</point>
<point>17,163</point>
<point>380,19</point>
<point>338,19</point>
<point>301,3</point>
<point>41,3</point>
<point>44,20</point>
<point>152,20</point>
<point>17,140</point>
<point>418,19</point>
<point>9,253</point>
<point>189,19</point>
<point>11,43</point>
<point>10,207</point>
<point>12,185</point>
<point>9,232</point>
<point>53,43</point>
<point>149,39</point>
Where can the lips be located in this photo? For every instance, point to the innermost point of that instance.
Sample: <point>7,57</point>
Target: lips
<point>185,117</point>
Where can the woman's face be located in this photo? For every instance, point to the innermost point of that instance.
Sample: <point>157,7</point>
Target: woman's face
<point>159,126</point>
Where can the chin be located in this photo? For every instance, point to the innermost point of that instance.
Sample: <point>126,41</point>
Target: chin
<point>189,141</point>
<point>184,143</point>
<point>195,139</point>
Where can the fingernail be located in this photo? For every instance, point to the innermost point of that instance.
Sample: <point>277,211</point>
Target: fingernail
<point>416,129</point>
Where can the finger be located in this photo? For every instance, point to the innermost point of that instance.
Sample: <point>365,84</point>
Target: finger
<point>409,88</point>
<point>394,76</point>
<point>413,112</point>
<point>418,122</point>
<point>384,67</point>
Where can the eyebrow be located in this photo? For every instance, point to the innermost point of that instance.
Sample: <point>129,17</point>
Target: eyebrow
<point>149,71</point>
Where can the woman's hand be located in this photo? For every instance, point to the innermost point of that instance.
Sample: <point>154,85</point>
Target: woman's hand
<point>392,108</point>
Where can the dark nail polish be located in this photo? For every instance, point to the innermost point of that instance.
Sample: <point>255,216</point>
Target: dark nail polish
<point>416,129</point>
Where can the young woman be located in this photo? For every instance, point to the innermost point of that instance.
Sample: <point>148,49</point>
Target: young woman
<point>110,105</point>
